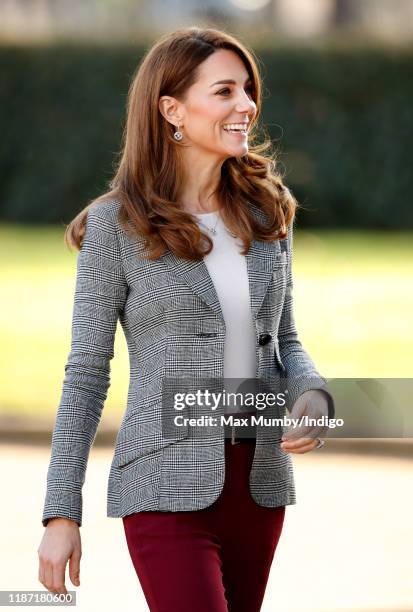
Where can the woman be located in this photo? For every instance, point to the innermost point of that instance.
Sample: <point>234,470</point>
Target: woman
<point>191,251</point>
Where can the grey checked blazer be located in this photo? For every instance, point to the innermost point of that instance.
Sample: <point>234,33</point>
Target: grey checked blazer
<point>173,324</point>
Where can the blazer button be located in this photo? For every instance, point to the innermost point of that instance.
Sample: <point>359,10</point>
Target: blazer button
<point>264,339</point>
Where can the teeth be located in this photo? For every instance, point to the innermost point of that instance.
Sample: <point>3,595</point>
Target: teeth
<point>235,126</point>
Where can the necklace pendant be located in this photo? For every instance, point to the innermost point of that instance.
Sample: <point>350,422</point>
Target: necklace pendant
<point>212,230</point>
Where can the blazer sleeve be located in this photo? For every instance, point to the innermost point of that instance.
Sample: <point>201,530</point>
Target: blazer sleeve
<point>99,299</point>
<point>300,371</point>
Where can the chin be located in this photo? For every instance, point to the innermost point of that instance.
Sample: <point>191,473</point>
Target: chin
<point>238,152</point>
<point>234,152</point>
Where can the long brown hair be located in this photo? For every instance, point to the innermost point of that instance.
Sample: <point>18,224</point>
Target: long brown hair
<point>149,171</point>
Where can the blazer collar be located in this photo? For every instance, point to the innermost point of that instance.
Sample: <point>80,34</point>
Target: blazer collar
<point>260,259</point>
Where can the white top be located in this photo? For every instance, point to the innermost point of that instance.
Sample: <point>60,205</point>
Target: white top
<point>228,270</point>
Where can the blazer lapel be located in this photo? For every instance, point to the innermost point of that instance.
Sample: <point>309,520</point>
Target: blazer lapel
<point>260,260</point>
<point>196,275</point>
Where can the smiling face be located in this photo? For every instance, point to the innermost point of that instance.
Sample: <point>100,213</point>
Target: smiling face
<point>222,95</point>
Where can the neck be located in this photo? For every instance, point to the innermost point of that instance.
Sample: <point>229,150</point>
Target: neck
<point>202,178</point>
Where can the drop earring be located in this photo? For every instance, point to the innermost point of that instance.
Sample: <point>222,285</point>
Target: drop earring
<point>178,134</point>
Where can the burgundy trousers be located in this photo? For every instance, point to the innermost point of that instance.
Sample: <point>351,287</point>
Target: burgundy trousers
<point>212,560</point>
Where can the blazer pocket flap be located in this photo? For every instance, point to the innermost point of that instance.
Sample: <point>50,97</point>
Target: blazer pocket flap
<point>145,431</point>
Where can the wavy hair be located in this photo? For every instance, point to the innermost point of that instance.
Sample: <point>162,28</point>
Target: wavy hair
<point>149,169</point>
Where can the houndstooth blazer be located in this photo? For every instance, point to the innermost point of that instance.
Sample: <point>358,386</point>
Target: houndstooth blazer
<point>172,320</point>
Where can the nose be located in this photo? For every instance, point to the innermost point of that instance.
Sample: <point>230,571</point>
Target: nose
<point>246,106</point>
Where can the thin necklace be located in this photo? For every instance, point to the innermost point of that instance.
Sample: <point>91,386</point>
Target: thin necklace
<point>212,230</point>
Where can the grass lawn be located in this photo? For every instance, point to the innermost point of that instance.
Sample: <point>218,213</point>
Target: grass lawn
<point>353,309</point>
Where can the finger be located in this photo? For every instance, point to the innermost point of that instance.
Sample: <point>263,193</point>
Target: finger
<point>59,578</point>
<point>290,445</point>
<point>41,573</point>
<point>74,567</point>
<point>304,447</point>
<point>310,434</point>
<point>48,575</point>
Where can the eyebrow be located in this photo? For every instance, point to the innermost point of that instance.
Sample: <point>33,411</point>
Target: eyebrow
<point>229,82</point>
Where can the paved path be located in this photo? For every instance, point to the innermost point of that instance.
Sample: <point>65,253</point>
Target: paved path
<point>346,545</point>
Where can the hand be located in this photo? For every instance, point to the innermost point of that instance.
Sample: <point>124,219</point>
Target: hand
<point>61,541</point>
<point>303,439</point>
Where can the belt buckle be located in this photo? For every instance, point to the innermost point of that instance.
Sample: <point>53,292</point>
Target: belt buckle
<point>233,441</point>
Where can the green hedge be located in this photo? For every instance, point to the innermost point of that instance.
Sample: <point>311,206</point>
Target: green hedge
<point>341,118</point>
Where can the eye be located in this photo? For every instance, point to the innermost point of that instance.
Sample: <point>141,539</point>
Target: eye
<point>221,92</point>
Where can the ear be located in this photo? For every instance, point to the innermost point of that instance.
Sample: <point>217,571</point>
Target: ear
<point>169,108</point>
